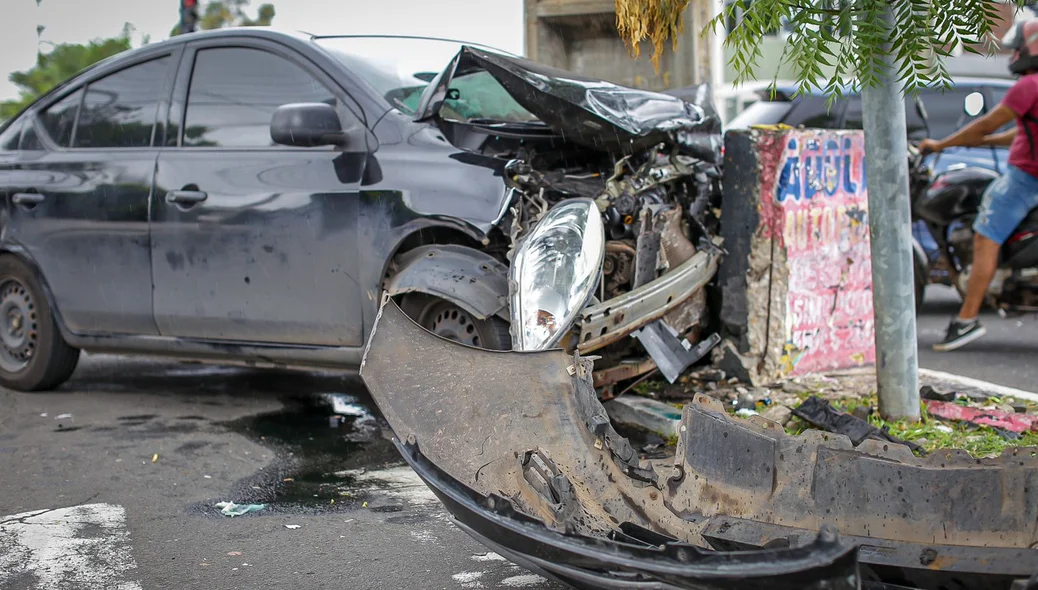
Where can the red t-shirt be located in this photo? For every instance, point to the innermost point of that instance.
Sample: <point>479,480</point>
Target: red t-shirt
<point>1022,99</point>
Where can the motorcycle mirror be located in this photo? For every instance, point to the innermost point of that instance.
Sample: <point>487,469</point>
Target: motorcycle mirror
<point>920,109</point>
<point>974,104</point>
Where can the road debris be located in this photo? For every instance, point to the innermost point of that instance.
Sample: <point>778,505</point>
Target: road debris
<point>1000,419</point>
<point>155,458</point>
<point>232,509</point>
<point>293,527</point>
<point>61,416</point>
<point>818,412</point>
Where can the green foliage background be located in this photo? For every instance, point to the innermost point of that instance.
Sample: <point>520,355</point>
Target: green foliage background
<point>67,59</point>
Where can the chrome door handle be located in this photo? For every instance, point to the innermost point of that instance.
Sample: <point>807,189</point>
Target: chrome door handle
<point>27,200</point>
<point>186,197</point>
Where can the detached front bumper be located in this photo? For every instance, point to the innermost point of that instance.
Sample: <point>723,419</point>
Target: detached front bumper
<point>521,452</point>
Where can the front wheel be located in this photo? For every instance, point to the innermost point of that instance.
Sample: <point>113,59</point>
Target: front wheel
<point>33,354</point>
<point>450,321</point>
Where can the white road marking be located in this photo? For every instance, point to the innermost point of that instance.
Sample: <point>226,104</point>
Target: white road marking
<point>523,581</point>
<point>984,386</point>
<point>84,546</point>
<point>400,483</point>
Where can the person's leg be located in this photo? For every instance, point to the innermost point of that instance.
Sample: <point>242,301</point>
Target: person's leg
<point>1005,204</point>
<point>985,262</point>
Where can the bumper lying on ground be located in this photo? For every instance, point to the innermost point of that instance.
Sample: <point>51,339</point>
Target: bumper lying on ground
<point>521,452</point>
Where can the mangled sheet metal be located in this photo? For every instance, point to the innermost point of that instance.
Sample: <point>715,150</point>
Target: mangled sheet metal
<point>595,113</point>
<point>521,439</point>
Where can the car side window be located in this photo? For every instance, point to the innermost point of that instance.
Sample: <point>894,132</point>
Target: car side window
<point>813,113</point>
<point>234,92</point>
<point>119,110</point>
<point>59,119</point>
<point>852,117</point>
<point>12,136</point>
<point>944,109</point>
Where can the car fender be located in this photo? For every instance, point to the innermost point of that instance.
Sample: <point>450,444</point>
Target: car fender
<point>471,279</point>
<point>22,255</point>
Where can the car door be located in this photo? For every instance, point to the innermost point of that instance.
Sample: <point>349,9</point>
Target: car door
<point>79,192</point>
<point>253,241</point>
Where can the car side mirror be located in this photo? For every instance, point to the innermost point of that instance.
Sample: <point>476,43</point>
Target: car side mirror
<point>306,124</point>
<point>974,104</point>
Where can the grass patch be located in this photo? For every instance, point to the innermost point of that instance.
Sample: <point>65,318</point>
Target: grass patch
<point>932,433</point>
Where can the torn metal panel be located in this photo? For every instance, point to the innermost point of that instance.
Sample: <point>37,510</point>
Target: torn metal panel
<point>611,320</point>
<point>593,113</point>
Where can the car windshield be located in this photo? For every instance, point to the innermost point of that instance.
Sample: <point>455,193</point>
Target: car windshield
<point>400,69</point>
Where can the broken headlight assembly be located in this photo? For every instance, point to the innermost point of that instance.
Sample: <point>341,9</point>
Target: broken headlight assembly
<point>554,273</point>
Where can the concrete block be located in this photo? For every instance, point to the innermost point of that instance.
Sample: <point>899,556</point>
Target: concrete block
<point>797,283</point>
<point>646,413</point>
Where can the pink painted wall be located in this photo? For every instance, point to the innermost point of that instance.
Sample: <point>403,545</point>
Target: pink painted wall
<point>819,213</point>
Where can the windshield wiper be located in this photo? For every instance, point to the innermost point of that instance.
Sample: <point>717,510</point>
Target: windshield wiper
<point>497,122</point>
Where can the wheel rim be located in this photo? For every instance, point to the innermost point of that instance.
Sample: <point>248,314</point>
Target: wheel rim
<point>453,323</point>
<point>18,326</point>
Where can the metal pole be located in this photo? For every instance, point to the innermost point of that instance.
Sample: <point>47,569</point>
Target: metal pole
<point>886,161</point>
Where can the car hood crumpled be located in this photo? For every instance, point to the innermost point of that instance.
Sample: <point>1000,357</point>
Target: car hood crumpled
<point>590,112</point>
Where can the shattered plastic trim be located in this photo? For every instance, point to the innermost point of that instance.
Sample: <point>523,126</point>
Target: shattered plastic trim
<point>527,426</point>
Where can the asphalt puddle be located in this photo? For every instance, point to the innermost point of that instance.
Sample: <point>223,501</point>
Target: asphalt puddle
<point>334,454</point>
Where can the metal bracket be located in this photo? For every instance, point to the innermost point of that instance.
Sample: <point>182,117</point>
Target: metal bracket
<point>672,354</point>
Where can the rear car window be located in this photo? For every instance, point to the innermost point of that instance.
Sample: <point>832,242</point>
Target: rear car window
<point>119,110</point>
<point>761,112</point>
<point>812,112</point>
<point>59,119</point>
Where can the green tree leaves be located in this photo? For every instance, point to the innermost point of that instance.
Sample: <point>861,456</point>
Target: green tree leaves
<point>848,35</point>
<point>851,36</point>
<point>231,13</point>
<point>68,59</point>
<point>57,65</point>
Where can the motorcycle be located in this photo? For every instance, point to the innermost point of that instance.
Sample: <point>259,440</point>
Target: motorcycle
<point>947,203</point>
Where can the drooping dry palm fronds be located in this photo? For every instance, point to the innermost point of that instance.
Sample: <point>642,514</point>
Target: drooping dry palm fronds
<point>652,20</point>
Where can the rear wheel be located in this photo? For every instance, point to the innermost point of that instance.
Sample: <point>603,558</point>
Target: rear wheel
<point>450,321</point>
<point>33,355</point>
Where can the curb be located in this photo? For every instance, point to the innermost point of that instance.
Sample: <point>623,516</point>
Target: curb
<point>977,384</point>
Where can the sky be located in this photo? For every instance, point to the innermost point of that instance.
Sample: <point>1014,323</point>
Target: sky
<point>496,23</point>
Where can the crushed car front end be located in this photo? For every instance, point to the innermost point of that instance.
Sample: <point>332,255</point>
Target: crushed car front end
<point>611,231</point>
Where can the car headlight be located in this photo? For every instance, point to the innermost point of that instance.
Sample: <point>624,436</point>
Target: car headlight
<point>554,273</point>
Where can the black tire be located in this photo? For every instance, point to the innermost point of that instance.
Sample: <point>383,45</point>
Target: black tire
<point>920,292</point>
<point>33,354</point>
<point>921,271</point>
<point>446,319</point>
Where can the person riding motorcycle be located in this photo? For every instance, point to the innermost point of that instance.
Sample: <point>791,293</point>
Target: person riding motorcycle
<point>1009,199</point>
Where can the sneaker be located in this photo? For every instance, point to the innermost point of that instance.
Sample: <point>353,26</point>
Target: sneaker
<point>960,334</point>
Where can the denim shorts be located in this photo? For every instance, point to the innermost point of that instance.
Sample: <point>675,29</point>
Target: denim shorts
<point>1006,203</point>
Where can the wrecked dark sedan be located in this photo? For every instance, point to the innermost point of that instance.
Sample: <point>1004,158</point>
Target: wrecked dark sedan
<point>246,195</point>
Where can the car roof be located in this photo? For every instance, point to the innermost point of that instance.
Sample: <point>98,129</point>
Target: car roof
<point>786,90</point>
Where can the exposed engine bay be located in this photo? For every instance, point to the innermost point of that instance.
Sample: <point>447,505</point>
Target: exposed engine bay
<point>646,163</point>
<point>658,208</point>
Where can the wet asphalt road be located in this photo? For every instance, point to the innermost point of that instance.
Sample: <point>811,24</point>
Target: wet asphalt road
<point>1006,355</point>
<point>359,519</point>
<point>246,430</point>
